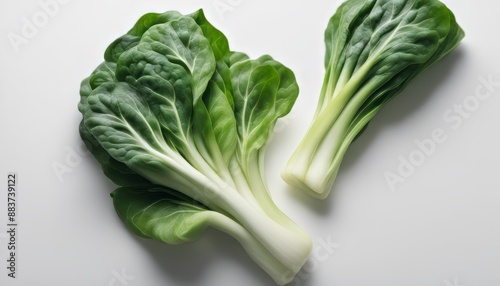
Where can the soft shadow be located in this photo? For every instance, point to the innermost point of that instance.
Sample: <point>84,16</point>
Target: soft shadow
<point>185,264</point>
<point>397,111</point>
<point>320,207</point>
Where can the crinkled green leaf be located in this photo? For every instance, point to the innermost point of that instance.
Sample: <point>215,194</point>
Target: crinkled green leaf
<point>218,41</point>
<point>161,214</point>
<point>132,38</point>
<point>171,67</point>
<point>214,117</point>
<point>121,121</point>
<point>182,42</point>
<point>255,88</point>
<point>116,171</point>
<point>264,90</point>
<point>222,121</point>
<point>237,57</point>
<point>288,89</point>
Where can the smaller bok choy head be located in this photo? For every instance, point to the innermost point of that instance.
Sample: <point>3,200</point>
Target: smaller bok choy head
<point>374,48</point>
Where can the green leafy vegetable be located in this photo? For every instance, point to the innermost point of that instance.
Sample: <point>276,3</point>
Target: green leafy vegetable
<point>180,122</point>
<point>374,48</point>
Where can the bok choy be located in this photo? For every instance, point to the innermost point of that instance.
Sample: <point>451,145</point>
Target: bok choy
<point>374,48</point>
<point>180,122</point>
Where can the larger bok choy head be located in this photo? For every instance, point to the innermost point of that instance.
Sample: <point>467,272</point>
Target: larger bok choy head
<point>180,122</point>
<point>374,48</point>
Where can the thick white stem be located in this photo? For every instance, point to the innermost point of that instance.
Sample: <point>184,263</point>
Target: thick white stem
<point>280,273</point>
<point>288,246</point>
<point>323,139</point>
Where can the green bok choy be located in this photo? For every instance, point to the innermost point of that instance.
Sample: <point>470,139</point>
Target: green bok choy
<point>374,48</point>
<point>180,122</point>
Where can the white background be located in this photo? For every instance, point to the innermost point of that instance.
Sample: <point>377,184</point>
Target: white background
<point>440,227</point>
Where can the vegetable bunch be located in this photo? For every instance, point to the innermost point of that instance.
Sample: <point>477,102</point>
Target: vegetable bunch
<point>374,48</point>
<point>180,122</point>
